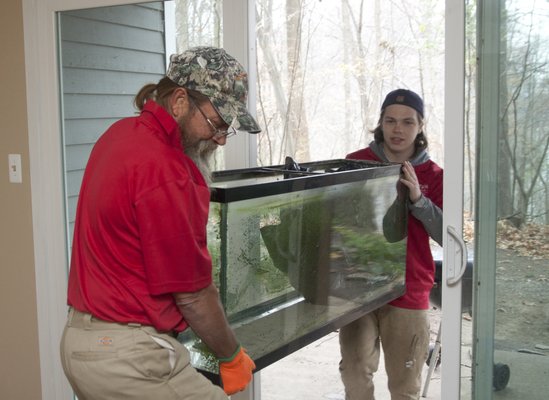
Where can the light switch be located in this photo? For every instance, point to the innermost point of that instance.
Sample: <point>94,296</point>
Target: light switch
<point>15,168</point>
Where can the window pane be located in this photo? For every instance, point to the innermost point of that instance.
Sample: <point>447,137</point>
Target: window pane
<point>325,67</point>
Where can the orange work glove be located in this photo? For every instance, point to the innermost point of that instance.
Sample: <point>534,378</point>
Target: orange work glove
<point>236,371</point>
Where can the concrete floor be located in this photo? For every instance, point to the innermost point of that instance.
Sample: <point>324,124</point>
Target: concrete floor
<point>312,372</point>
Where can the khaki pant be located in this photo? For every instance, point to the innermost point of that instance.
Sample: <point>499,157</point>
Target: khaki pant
<point>108,361</point>
<point>404,335</point>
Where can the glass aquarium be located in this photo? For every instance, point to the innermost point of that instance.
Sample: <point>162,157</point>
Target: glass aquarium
<point>299,251</point>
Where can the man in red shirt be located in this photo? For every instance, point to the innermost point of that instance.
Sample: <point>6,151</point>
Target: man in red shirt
<point>140,268</point>
<point>402,326</point>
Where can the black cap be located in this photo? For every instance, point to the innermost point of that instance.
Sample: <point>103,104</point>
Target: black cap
<point>406,98</point>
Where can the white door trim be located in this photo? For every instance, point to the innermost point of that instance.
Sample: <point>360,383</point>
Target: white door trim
<point>453,195</point>
<point>239,40</point>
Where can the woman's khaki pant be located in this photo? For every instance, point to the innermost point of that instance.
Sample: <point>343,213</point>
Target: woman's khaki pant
<point>106,361</point>
<point>404,335</point>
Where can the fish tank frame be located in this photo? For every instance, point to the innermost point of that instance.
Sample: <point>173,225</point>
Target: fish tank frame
<point>298,252</point>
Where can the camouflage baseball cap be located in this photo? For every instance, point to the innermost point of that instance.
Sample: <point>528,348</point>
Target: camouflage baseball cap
<point>220,77</point>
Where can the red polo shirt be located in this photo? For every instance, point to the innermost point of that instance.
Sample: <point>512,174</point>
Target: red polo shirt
<point>140,232</point>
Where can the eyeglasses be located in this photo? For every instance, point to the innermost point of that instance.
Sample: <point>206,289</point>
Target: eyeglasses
<point>217,133</point>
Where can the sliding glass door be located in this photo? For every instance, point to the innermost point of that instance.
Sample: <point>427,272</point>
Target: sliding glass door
<point>511,313</point>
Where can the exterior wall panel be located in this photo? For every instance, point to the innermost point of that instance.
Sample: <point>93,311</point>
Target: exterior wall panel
<point>107,54</point>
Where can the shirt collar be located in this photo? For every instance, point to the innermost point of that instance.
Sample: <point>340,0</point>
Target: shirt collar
<point>156,114</point>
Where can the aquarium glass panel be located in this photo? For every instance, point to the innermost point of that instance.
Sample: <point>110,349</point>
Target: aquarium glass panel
<point>297,255</point>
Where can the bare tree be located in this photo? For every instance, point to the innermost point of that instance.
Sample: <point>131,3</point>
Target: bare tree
<point>338,87</point>
<point>359,53</point>
<point>347,54</point>
<point>504,197</point>
<point>283,73</point>
<point>296,135</point>
<point>545,195</point>
<point>470,101</point>
<point>524,136</point>
<point>197,22</point>
<point>270,116</point>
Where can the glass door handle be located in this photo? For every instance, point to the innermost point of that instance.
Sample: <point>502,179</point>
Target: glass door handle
<point>453,280</point>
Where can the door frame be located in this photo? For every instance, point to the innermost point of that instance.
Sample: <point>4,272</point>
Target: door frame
<point>488,116</point>
<point>454,253</point>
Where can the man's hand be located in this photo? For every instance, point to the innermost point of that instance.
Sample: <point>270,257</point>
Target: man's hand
<point>409,179</point>
<point>204,313</point>
<point>236,371</point>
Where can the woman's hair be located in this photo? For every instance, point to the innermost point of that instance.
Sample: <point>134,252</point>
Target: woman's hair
<point>161,91</point>
<point>420,143</point>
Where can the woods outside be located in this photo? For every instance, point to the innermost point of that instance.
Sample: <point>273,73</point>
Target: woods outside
<point>324,68</point>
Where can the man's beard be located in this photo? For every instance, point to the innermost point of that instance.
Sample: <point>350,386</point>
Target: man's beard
<point>200,152</point>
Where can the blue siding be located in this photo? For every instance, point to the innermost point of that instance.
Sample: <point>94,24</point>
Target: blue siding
<point>106,54</point>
